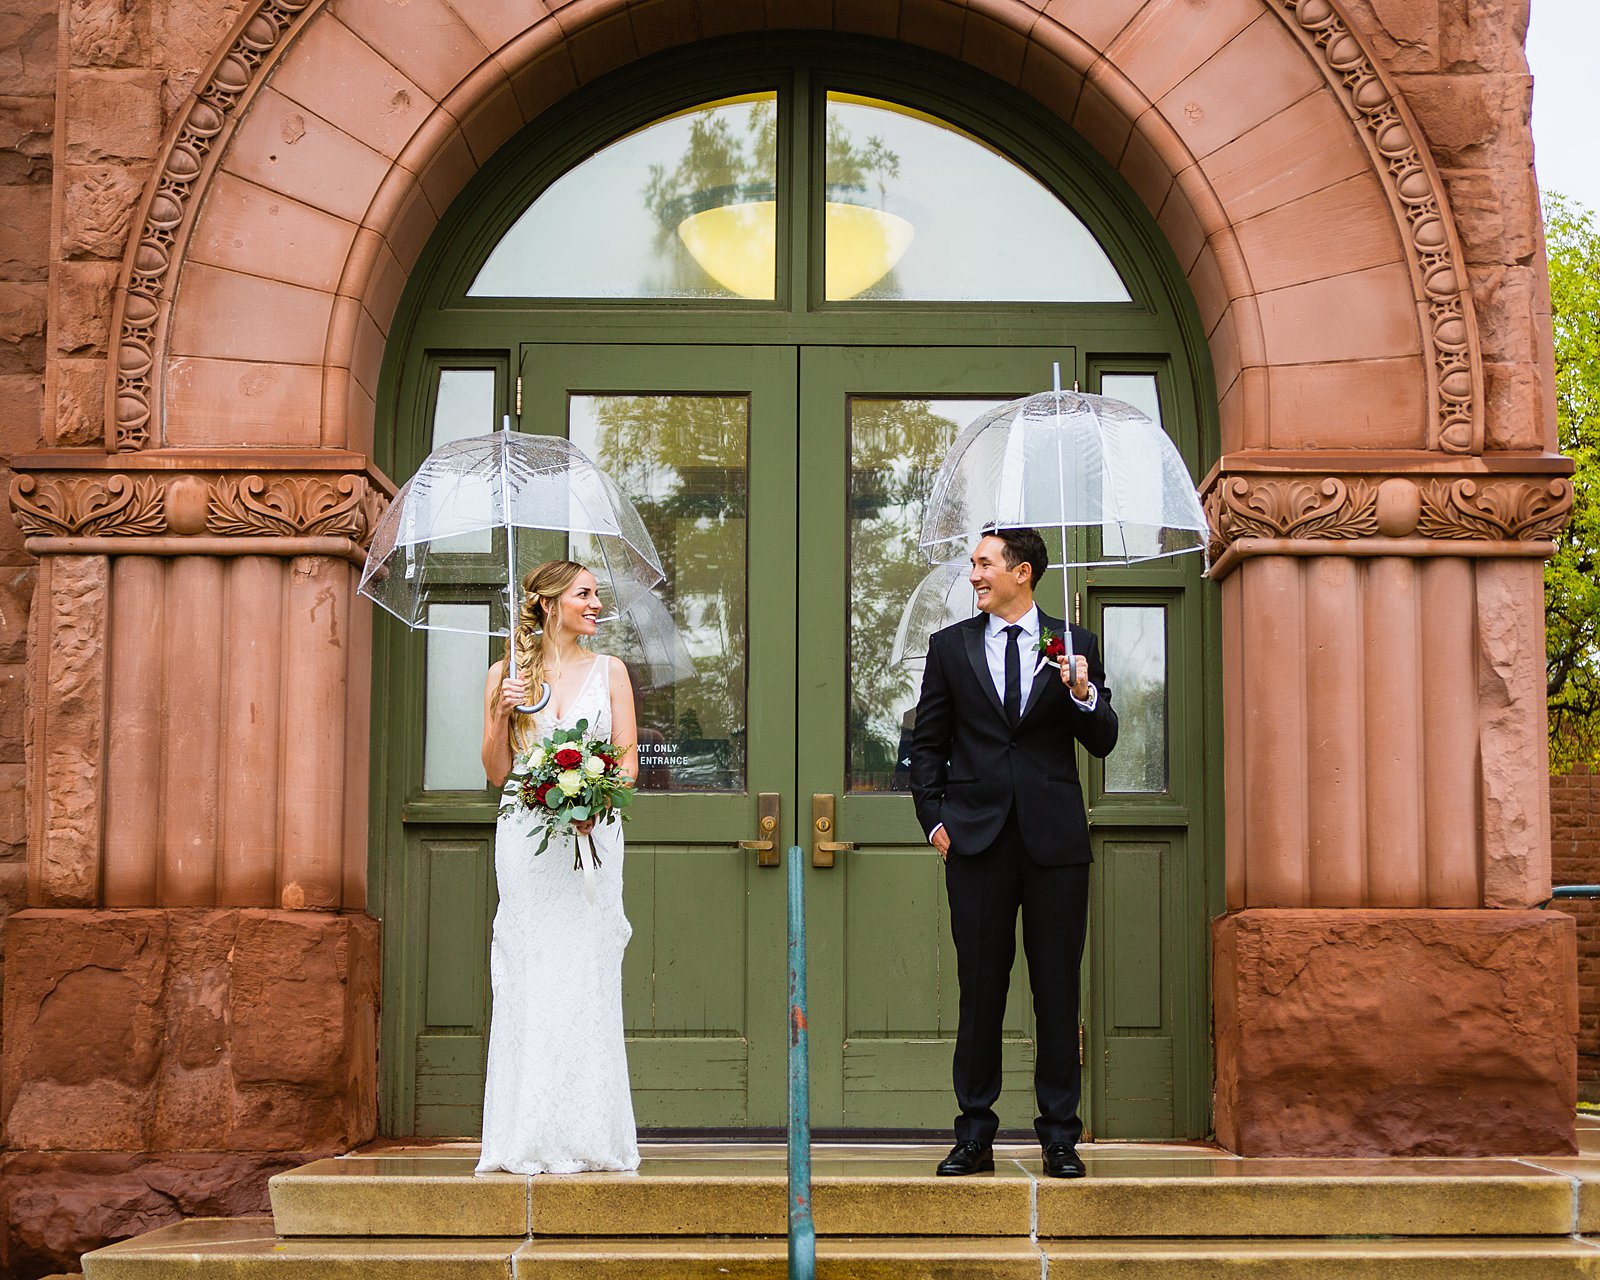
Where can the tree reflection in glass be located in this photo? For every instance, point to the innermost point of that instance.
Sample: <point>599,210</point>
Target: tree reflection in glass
<point>681,460</point>
<point>896,447</point>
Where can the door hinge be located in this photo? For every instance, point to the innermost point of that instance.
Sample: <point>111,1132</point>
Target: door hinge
<point>1080,1044</point>
<point>519,397</point>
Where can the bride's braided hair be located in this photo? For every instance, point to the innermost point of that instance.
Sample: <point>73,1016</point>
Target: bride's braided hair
<point>538,620</point>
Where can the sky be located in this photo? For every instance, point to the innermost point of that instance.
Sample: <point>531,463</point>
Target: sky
<point>1563,36</point>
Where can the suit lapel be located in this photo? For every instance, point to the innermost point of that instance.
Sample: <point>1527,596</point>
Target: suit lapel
<point>973,636</point>
<point>1036,692</point>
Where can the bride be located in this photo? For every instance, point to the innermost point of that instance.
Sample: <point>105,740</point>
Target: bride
<point>556,1095</point>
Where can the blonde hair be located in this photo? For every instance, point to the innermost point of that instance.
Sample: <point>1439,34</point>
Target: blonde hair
<point>539,622</point>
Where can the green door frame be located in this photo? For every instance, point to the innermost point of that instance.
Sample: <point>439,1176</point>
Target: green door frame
<point>1159,328</point>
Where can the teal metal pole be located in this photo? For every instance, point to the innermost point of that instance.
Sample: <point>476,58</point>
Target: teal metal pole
<point>802,1231</point>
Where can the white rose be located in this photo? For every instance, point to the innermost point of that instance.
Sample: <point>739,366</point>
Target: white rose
<point>570,781</point>
<point>536,759</point>
<point>594,766</point>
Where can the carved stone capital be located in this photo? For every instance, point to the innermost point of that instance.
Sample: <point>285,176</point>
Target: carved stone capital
<point>195,509</point>
<point>1426,512</point>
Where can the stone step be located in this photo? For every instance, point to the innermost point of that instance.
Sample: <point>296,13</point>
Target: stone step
<point>1185,1193</point>
<point>244,1249</point>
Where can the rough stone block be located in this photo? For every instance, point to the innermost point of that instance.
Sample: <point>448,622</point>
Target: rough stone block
<point>1403,33</point>
<point>182,1030</point>
<point>107,33</point>
<point>1504,300</point>
<point>1371,1032</point>
<point>28,38</point>
<point>1497,214</point>
<point>113,117</point>
<point>13,821</point>
<point>62,1204</point>
<point>1484,35</point>
<point>1466,117</point>
<point>188,35</point>
<point>21,428</point>
<point>80,401</point>
<point>26,128</point>
<point>24,232</point>
<point>97,209</point>
<point>1514,779</point>
<point>13,698</point>
<point>84,297</point>
<point>67,711</point>
<point>1515,396</point>
<point>22,322</point>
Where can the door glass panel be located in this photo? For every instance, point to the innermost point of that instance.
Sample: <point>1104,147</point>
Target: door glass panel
<point>918,209</point>
<point>1135,639</point>
<point>681,460</point>
<point>1134,541</point>
<point>464,405</point>
<point>896,447</point>
<point>453,713</point>
<point>685,207</point>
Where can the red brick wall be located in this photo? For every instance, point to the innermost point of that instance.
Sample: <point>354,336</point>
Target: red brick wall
<point>1575,859</point>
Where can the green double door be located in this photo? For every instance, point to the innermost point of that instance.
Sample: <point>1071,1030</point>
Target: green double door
<point>784,487</point>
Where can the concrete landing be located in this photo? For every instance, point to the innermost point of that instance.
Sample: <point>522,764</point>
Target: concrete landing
<point>716,1210</point>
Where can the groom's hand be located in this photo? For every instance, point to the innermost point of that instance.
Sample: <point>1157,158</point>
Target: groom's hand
<point>941,842</point>
<point>1075,676</point>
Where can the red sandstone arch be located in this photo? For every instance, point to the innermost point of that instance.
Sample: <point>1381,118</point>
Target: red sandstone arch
<point>317,158</point>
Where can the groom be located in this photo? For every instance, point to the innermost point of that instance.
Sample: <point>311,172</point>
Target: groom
<point>995,781</point>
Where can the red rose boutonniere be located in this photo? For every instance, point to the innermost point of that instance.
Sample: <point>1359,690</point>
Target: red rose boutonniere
<point>1052,648</point>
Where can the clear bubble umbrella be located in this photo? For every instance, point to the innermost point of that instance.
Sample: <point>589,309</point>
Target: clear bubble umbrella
<point>942,598</point>
<point>1064,460</point>
<point>437,537</point>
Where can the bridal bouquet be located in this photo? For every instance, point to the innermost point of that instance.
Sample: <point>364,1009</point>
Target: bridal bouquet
<point>567,778</point>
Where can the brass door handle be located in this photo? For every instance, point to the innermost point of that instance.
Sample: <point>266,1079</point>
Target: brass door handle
<point>822,826</point>
<point>769,806</point>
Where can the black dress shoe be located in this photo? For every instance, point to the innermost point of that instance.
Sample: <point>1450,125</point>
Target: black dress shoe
<point>1061,1160</point>
<point>966,1157</point>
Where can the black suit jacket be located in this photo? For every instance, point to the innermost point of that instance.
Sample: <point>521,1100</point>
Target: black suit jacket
<point>969,766</point>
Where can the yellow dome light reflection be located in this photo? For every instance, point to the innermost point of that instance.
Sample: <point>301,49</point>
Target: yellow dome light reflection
<point>737,245</point>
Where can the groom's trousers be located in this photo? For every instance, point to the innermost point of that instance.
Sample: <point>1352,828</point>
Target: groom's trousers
<point>986,890</point>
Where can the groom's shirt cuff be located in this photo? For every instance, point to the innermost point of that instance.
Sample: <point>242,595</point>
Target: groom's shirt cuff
<point>1089,703</point>
<point>937,829</point>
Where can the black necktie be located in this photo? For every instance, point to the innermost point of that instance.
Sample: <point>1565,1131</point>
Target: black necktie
<point>1013,675</point>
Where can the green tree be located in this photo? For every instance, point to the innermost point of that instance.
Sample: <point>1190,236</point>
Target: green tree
<point>1572,591</point>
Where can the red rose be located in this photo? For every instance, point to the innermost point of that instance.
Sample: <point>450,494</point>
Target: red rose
<point>1056,648</point>
<point>569,758</point>
<point>542,792</point>
<point>608,761</point>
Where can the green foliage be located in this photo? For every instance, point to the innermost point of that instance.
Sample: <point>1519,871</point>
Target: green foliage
<point>1572,592</point>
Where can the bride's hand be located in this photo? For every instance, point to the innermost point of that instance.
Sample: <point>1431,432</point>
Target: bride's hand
<point>513,694</point>
<point>585,827</point>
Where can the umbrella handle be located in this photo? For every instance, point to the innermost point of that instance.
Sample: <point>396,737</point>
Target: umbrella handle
<point>539,703</point>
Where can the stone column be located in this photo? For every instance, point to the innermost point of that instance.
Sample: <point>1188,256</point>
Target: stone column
<point>1381,986</point>
<point>197,766</point>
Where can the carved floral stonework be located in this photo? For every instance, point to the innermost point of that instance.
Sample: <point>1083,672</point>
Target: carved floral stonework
<point>1512,511</point>
<point>1326,508</point>
<point>87,507</point>
<point>1426,229</point>
<point>182,504</point>
<point>1483,509</point>
<point>292,507</point>
<point>168,214</point>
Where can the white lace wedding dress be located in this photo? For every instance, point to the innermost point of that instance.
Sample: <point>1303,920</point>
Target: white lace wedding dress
<point>556,1095</point>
